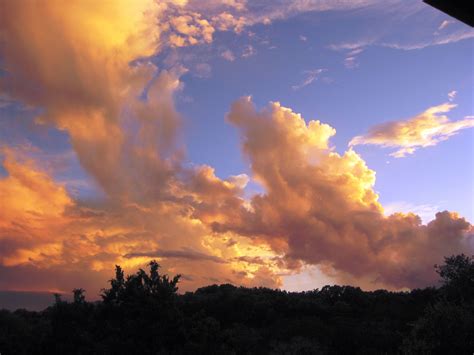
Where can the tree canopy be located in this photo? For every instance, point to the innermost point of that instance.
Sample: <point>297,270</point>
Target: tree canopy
<point>143,313</point>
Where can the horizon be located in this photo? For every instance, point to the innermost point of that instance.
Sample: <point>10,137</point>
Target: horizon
<point>287,145</point>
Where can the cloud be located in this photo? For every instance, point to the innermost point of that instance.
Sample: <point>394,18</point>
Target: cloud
<point>444,24</point>
<point>424,130</point>
<point>425,211</point>
<point>203,70</point>
<point>303,38</point>
<point>320,208</point>
<point>438,41</point>
<point>117,109</point>
<point>398,29</point>
<point>228,55</point>
<point>190,29</point>
<point>248,51</point>
<point>58,241</point>
<point>452,95</point>
<point>184,253</point>
<point>32,206</point>
<point>351,63</point>
<point>120,117</point>
<point>311,75</point>
<point>226,21</point>
<point>269,11</point>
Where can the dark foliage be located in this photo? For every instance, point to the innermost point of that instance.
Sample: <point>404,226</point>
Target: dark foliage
<point>143,314</point>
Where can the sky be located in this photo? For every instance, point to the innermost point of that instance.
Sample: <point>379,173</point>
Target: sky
<point>284,144</point>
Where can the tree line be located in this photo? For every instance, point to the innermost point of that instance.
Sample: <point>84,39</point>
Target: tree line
<point>144,314</point>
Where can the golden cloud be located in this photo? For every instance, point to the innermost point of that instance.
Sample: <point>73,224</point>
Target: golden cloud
<point>77,62</point>
<point>73,61</point>
<point>424,130</point>
<point>319,207</point>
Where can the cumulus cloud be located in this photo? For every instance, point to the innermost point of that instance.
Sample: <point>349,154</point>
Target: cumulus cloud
<point>425,211</point>
<point>226,22</point>
<point>117,108</point>
<point>123,127</point>
<point>319,207</point>
<point>192,22</point>
<point>190,29</point>
<point>424,130</point>
<point>47,232</point>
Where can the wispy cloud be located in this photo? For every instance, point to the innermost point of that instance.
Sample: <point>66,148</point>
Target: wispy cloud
<point>228,55</point>
<point>444,24</point>
<point>310,76</point>
<point>426,129</point>
<point>452,95</point>
<point>248,51</point>
<point>351,62</point>
<point>398,31</point>
<point>435,41</point>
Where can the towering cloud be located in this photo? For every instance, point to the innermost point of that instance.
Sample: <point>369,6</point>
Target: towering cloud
<point>319,207</point>
<point>87,67</point>
<point>77,62</point>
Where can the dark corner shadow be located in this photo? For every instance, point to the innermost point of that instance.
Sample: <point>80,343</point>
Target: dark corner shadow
<point>460,9</point>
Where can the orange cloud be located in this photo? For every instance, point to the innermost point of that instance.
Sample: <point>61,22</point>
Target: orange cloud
<point>73,60</point>
<point>319,207</point>
<point>424,130</point>
<point>44,231</point>
<point>31,214</point>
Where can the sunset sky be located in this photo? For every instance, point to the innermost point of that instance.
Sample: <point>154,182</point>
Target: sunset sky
<point>287,144</point>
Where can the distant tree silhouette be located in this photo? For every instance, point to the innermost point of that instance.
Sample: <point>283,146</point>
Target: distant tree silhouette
<point>457,275</point>
<point>447,326</point>
<point>57,298</point>
<point>78,294</point>
<point>141,285</point>
<point>143,313</point>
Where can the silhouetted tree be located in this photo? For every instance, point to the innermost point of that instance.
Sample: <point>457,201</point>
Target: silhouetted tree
<point>79,297</point>
<point>142,313</point>
<point>141,285</point>
<point>447,327</point>
<point>457,274</point>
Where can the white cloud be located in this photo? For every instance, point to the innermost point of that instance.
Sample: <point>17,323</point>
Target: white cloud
<point>452,95</point>
<point>444,24</point>
<point>435,41</point>
<point>311,75</point>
